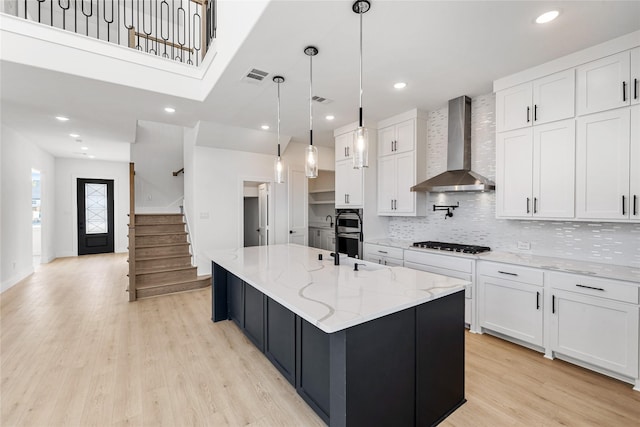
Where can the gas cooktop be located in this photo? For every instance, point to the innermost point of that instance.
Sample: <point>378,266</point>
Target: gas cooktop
<point>452,247</point>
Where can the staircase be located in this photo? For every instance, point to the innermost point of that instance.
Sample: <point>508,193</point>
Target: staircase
<point>161,257</point>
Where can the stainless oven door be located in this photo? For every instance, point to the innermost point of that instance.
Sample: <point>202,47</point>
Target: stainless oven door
<point>350,244</point>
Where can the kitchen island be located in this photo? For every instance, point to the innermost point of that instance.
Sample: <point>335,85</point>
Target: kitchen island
<point>376,346</point>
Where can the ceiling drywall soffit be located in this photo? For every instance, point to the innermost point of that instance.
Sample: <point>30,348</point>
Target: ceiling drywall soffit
<point>226,137</point>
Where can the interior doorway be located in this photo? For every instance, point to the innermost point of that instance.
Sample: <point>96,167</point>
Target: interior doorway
<point>36,216</point>
<point>257,227</point>
<point>95,216</point>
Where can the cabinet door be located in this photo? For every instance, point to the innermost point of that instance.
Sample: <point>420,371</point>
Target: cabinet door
<point>595,330</point>
<point>405,136</point>
<point>513,107</point>
<point>554,97</point>
<point>554,169</point>
<point>600,84</point>
<point>386,140</point>
<point>342,187</point>
<point>634,81</point>
<point>280,339</point>
<point>329,240</point>
<point>254,316</point>
<point>355,196</point>
<point>343,146</point>
<point>602,165</point>
<point>514,175</point>
<point>511,308</point>
<point>235,296</point>
<point>392,262</point>
<point>634,166</point>
<point>405,199</point>
<point>386,184</point>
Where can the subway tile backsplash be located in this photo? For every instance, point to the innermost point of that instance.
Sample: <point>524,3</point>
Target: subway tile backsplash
<point>474,222</point>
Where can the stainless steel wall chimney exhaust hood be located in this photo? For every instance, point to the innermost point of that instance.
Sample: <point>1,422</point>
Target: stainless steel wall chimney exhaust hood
<point>459,176</point>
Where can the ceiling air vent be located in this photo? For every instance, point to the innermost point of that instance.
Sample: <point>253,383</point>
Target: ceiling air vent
<point>255,75</point>
<point>321,100</point>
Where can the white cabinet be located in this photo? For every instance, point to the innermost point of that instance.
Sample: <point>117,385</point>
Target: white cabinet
<point>541,101</point>
<point>511,301</point>
<point>634,80</point>
<point>328,240</point>
<point>536,171</point>
<point>385,255</point>
<point>401,165</point>
<point>604,163</point>
<point>595,321</point>
<point>398,138</point>
<point>606,83</point>
<point>343,147</point>
<point>349,185</point>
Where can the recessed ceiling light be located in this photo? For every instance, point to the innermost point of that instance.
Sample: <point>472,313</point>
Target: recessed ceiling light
<point>170,109</point>
<point>74,135</point>
<point>330,117</point>
<point>92,157</point>
<point>84,148</point>
<point>62,118</point>
<point>400,85</point>
<point>547,17</point>
<point>265,127</point>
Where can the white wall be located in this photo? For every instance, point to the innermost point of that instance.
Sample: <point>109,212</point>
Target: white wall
<point>157,152</point>
<point>19,156</point>
<point>67,173</point>
<point>218,198</point>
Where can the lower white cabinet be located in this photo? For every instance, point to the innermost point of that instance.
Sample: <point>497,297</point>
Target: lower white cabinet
<point>599,330</point>
<point>511,301</point>
<point>385,255</point>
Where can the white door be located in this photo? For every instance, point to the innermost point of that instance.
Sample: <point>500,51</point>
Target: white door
<point>554,97</point>
<point>513,108</point>
<point>554,169</point>
<point>263,214</point>
<point>298,207</point>
<point>514,177</point>
<point>600,84</point>
<point>602,165</point>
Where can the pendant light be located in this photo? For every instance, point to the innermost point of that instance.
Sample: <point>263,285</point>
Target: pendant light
<point>361,137</point>
<point>278,166</point>
<point>311,154</point>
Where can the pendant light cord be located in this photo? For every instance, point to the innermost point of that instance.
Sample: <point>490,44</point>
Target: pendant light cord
<point>278,119</point>
<point>310,99</point>
<point>360,119</point>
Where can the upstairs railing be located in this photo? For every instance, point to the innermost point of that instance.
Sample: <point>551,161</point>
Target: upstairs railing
<point>132,232</point>
<point>181,30</point>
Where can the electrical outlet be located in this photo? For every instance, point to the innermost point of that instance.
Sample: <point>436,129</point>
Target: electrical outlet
<point>524,246</point>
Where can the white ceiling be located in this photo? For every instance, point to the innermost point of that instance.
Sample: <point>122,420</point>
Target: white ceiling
<point>441,49</point>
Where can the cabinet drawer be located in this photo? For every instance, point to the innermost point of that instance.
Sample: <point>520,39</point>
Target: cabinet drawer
<point>378,251</point>
<point>511,272</point>
<point>450,262</point>
<point>619,291</point>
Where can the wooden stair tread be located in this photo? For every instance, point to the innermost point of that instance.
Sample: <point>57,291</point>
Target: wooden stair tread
<point>164,233</point>
<point>141,271</point>
<point>162,257</point>
<point>163,245</point>
<point>179,282</point>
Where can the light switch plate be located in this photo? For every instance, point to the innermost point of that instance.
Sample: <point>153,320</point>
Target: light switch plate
<point>524,246</point>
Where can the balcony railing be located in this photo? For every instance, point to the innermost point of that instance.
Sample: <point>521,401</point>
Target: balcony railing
<point>180,30</point>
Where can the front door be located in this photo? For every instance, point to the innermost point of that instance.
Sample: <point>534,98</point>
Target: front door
<point>95,216</point>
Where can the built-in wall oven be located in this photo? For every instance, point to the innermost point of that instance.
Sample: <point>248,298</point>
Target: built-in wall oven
<point>349,232</point>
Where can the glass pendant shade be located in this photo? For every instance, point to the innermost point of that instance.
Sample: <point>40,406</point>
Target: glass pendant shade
<point>278,168</point>
<point>311,162</point>
<point>361,148</point>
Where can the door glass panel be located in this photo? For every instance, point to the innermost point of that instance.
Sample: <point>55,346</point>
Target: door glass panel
<point>96,208</point>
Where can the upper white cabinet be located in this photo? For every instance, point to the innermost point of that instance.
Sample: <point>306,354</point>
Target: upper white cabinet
<point>536,171</point>
<point>608,83</point>
<point>541,101</point>
<point>344,146</point>
<point>349,185</point>
<point>603,164</point>
<point>401,164</point>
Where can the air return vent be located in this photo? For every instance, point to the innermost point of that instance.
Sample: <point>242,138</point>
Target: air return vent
<point>255,75</point>
<point>321,100</point>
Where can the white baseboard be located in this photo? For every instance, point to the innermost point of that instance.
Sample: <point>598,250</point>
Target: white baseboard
<point>15,279</point>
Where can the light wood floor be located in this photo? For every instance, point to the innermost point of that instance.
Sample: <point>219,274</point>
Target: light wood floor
<point>74,352</point>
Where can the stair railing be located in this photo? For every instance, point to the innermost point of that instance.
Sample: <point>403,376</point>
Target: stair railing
<point>190,238</point>
<point>181,30</point>
<point>132,233</point>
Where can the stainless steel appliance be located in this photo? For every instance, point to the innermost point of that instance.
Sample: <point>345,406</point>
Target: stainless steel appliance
<point>452,247</point>
<point>349,232</point>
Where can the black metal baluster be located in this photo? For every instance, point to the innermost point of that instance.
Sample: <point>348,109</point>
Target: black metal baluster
<point>104,18</point>
<point>162,25</point>
<point>97,17</point>
<point>87,16</point>
<point>75,16</point>
<point>181,13</point>
<point>173,29</point>
<point>51,11</point>
<point>187,31</point>
<point>64,13</point>
<point>197,23</point>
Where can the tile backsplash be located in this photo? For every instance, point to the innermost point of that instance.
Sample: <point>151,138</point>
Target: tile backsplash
<point>474,222</point>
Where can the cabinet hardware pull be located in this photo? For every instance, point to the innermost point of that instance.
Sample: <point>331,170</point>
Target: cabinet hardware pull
<point>635,88</point>
<point>383,252</point>
<point>535,112</point>
<point>528,110</point>
<point>624,91</point>
<point>528,210</point>
<point>391,204</point>
<point>624,212</point>
<point>507,273</point>
<point>535,205</point>
<point>635,204</point>
<point>537,300</point>
<point>553,304</point>
<point>589,287</point>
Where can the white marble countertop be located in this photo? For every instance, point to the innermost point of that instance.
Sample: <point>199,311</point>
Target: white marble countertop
<point>393,243</point>
<point>332,297</point>
<point>321,225</point>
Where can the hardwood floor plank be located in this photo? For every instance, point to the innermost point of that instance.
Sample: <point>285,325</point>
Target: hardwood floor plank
<point>75,352</point>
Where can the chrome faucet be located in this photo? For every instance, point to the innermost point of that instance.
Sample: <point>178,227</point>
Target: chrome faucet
<point>330,223</point>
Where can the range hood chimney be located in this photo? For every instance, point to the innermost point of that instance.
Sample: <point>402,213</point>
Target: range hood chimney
<point>459,176</point>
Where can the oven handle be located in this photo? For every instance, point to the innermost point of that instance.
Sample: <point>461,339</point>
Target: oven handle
<point>349,235</point>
